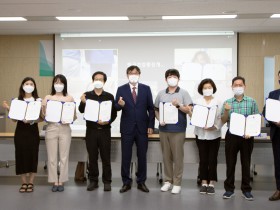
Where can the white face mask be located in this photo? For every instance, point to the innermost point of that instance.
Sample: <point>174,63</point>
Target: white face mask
<point>28,88</point>
<point>238,91</point>
<point>98,84</point>
<point>207,92</point>
<point>133,78</point>
<point>58,88</point>
<point>172,81</point>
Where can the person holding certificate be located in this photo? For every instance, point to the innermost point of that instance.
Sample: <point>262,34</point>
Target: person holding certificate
<point>58,135</point>
<point>244,105</point>
<point>275,138</point>
<point>208,136</point>
<point>98,133</point>
<point>26,138</point>
<point>172,132</point>
<point>137,121</point>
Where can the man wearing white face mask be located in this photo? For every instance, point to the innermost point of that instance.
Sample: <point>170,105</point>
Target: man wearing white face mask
<point>137,121</point>
<point>172,136</point>
<point>244,105</point>
<point>275,139</point>
<point>98,134</point>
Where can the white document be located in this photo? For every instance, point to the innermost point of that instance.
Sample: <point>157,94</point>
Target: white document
<point>68,112</point>
<point>168,113</point>
<point>253,125</point>
<point>95,110</point>
<point>272,110</point>
<point>241,125</point>
<point>33,110</point>
<point>53,111</point>
<point>91,110</point>
<point>203,116</point>
<point>211,116</point>
<point>105,111</point>
<point>17,109</point>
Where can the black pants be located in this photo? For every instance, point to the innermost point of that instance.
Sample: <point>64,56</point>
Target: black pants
<point>234,144</point>
<point>276,155</point>
<point>99,140</point>
<point>208,153</point>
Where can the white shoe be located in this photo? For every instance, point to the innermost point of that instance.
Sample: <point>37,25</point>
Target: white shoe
<point>167,186</point>
<point>176,189</point>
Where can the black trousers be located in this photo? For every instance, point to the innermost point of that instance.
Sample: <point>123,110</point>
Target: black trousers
<point>234,144</point>
<point>276,155</point>
<point>208,154</point>
<point>99,140</point>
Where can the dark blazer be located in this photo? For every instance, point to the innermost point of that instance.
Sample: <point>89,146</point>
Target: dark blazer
<point>273,95</point>
<point>141,114</point>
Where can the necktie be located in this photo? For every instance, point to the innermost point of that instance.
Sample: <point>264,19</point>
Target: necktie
<point>134,94</point>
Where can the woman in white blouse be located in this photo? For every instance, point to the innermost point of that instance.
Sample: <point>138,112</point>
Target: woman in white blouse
<point>208,138</point>
<point>58,137</point>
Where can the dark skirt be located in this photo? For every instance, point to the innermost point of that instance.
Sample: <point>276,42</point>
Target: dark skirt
<point>27,142</point>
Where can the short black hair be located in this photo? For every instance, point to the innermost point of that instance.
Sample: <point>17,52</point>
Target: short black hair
<point>63,80</point>
<point>238,78</point>
<point>99,72</point>
<point>206,81</point>
<point>172,72</point>
<point>21,93</point>
<point>131,68</point>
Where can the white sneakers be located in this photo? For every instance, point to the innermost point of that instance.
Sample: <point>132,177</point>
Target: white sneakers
<point>168,186</point>
<point>176,189</point>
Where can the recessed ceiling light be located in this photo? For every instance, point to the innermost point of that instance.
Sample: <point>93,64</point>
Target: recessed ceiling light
<point>275,16</point>
<point>142,34</point>
<point>94,18</point>
<point>198,17</point>
<point>12,19</point>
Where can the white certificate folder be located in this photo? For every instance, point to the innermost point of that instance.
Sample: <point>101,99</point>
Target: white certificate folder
<point>24,110</point>
<point>168,113</point>
<point>241,125</point>
<point>58,111</point>
<point>95,110</point>
<point>272,110</point>
<point>203,116</point>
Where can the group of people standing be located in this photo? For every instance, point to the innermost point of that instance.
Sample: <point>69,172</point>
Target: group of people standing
<point>139,111</point>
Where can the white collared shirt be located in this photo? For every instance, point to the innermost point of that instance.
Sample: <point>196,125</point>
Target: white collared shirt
<point>131,86</point>
<point>203,134</point>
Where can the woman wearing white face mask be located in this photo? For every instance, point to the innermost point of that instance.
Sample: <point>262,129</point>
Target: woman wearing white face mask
<point>208,139</point>
<point>58,136</point>
<point>26,138</point>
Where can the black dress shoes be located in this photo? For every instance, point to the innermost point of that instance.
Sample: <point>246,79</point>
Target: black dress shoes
<point>143,187</point>
<point>275,196</point>
<point>125,188</point>
<point>107,187</point>
<point>92,185</point>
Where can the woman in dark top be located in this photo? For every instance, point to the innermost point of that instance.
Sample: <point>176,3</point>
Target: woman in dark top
<point>26,138</point>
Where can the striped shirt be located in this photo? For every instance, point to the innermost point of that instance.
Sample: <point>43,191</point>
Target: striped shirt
<point>247,106</point>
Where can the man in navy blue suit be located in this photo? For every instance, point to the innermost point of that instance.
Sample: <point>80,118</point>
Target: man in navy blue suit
<point>275,138</point>
<point>137,121</point>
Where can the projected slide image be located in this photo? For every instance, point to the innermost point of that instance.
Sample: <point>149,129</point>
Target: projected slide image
<point>84,62</point>
<point>197,64</point>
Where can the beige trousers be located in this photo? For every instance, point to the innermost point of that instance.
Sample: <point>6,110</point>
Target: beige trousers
<point>172,145</point>
<point>58,141</point>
